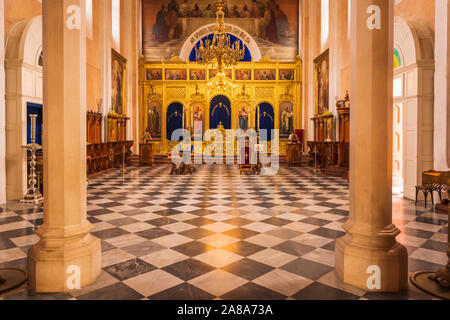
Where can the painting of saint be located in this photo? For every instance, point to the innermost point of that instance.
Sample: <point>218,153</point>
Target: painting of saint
<point>243,117</point>
<point>287,74</point>
<point>118,65</point>
<point>286,119</point>
<point>197,119</point>
<point>153,74</point>
<point>197,75</point>
<point>177,74</point>
<point>243,74</point>
<point>323,90</point>
<point>265,74</point>
<point>154,119</point>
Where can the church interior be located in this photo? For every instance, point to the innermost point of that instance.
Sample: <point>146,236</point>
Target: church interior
<point>233,150</point>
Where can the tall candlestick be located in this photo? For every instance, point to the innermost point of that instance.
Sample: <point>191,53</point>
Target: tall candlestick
<point>33,193</point>
<point>33,127</point>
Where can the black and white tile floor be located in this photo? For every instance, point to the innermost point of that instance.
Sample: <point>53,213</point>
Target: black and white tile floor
<point>217,234</point>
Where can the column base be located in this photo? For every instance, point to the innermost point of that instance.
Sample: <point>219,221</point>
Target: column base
<point>53,263</point>
<point>354,260</point>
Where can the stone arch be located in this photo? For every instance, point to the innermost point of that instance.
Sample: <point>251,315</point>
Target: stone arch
<point>236,31</point>
<point>415,43</point>
<point>24,83</point>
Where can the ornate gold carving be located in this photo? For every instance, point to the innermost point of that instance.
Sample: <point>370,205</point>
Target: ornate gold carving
<point>176,93</point>
<point>264,93</point>
<point>175,59</point>
<point>243,96</point>
<point>189,92</point>
<point>153,96</point>
<point>287,95</point>
<point>197,95</point>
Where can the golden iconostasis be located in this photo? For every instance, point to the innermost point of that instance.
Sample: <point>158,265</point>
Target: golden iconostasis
<point>250,95</point>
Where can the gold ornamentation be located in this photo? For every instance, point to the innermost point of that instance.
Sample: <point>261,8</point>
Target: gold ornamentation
<point>264,93</point>
<point>153,96</point>
<point>190,92</point>
<point>175,59</point>
<point>287,95</point>
<point>176,93</point>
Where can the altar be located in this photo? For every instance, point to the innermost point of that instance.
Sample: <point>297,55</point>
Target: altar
<point>180,95</point>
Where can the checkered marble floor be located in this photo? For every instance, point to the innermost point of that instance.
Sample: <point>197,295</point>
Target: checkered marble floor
<point>219,235</point>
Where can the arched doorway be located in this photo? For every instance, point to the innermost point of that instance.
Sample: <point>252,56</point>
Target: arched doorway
<point>413,107</point>
<point>220,112</point>
<point>265,120</point>
<point>235,31</point>
<point>174,118</point>
<point>23,66</point>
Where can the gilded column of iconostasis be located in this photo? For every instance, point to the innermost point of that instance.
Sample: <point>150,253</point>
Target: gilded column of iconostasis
<point>263,91</point>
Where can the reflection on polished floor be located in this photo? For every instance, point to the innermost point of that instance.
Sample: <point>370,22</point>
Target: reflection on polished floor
<point>218,234</point>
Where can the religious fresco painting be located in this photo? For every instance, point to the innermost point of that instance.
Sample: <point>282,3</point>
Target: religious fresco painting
<point>286,74</point>
<point>243,116</point>
<point>286,119</point>
<point>197,75</point>
<point>198,119</point>
<point>321,64</point>
<point>243,74</point>
<point>176,74</point>
<point>214,72</point>
<point>265,74</point>
<point>153,74</point>
<point>154,120</point>
<point>118,73</point>
<point>166,23</point>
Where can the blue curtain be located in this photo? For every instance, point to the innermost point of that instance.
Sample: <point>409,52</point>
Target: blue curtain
<point>33,108</point>
<point>266,119</point>
<point>174,118</point>
<point>247,57</point>
<point>220,112</point>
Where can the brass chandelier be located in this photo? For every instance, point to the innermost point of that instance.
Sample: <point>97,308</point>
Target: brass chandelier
<point>220,50</point>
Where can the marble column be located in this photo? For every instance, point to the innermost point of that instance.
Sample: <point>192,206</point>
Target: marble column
<point>105,42</point>
<point>442,87</point>
<point>67,254</point>
<point>311,49</point>
<point>2,107</point>
<point>368,256</point>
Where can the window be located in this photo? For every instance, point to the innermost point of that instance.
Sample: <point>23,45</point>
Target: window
<point>89,18</point>
<point>116,22</point>
<point>325,22</point>
<point>398,87</point>
<point>397,59</point>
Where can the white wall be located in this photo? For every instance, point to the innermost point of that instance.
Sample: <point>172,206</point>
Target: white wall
<point>416,48</point>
